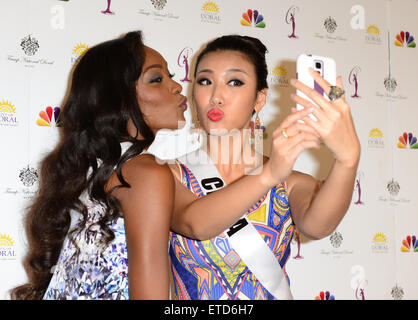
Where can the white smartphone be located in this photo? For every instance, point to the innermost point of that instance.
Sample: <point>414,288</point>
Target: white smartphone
<point>325,66</point>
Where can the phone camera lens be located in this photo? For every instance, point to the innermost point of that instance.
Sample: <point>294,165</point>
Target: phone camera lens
<point>317,65</point>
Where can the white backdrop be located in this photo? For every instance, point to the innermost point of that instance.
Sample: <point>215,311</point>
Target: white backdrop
<point>373,253</point>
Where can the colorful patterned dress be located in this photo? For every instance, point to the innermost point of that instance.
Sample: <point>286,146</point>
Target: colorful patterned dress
<point>96,272</point>
<point>212,270</point>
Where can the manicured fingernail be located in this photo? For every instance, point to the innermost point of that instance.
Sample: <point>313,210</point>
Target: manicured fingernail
<point>292,95</point>
<point>292,81</point>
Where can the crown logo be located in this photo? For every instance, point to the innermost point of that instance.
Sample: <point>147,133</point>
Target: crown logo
<point>7,107</point>
<point>210,6</point>
<point>6,241</point>
<point>80,49</point>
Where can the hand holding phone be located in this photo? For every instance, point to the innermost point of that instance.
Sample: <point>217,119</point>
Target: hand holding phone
<point>325,66</point>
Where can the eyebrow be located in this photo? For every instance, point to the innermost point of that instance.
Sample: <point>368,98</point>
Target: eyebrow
<point>159,66</point>
<point>227,71</point>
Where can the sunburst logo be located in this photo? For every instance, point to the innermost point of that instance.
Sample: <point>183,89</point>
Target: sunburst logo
<point>210,12</point>
<point>380,244</point>
<point>8,113</point>
<point>49,117</point>
<point>7,107</point>
<point>210,6</point>
<point>405,39</point>
<point>6,241</point>
<point>325,295</point>
<point>407,141</point>
<point>7,247</point>
<point>253,18</point>
<point>375,133</point>
<point>279,71</point>
<point>379,238</point>
<point>372,29</point>
<point>376,138</point>
<point>78,51</point>
<point>409,244</point>
<point>279,77</point>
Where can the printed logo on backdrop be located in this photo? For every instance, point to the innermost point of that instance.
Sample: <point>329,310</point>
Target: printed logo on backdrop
<point>279,77</point>
<point>353,80</point>
<point>357,187</point>
<point>376,138</point>
<point>358,281</point>
<point>158,12</point>
<point>372,35</point>
<point>8,114</point>
<point>331,36</point>
<point>7,247</point>
<point>252,18</point>
<point>397,293</point>
<point>50,117</point>
<point>393,196</point>
<point>409,244</point>
<point>296,239</point>
<point>210,13</point>
<point>391,86</point>
<point>108,11</point>
<point>183,61</point>
<point>405,39</point>
<point>28,177</point>
<point>407,141</point>
<point>29,58</point>
<point>380,243</point>
<point>79,50</point>
<point>325,295</point>
<point>290,19</point>
<point>338,250</point>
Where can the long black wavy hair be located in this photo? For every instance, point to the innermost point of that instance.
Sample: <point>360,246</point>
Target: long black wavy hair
<point>101,100</point>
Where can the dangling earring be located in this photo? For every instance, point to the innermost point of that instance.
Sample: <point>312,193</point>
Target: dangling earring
<point>256,131</point>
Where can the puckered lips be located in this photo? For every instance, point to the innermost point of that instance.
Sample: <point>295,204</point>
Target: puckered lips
<point>215,114</point>
<point>183,104</point>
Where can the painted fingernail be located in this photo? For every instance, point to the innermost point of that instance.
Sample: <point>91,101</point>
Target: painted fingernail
<point>292,81</point>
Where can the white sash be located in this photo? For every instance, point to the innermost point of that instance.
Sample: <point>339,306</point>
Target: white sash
<point>243,236</point>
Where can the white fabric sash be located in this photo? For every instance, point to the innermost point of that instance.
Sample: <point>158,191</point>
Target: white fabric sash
<point>243,236</point>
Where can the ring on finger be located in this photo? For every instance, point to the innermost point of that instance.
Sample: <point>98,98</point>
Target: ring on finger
<point>284,134</point>
<point>335,93</point>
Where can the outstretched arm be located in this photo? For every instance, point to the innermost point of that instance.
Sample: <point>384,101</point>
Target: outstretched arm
<point>147,207</point>
<point>206,217</point>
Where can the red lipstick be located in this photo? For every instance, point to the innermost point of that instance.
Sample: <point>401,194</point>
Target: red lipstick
<point>215,114</point>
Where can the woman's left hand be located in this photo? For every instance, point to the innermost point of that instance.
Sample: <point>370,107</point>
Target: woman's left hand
<point>335,125</point>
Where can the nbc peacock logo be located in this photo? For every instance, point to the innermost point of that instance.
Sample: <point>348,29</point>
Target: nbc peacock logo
<point>50,117</point>
<point>409,244</point>
<point>7,247</point>
<point>8,115</point>
<point>325,295</point>
<point>79,50</point>
<point>253,18</point>
<point>407,141</point>
<point>405,39</point>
